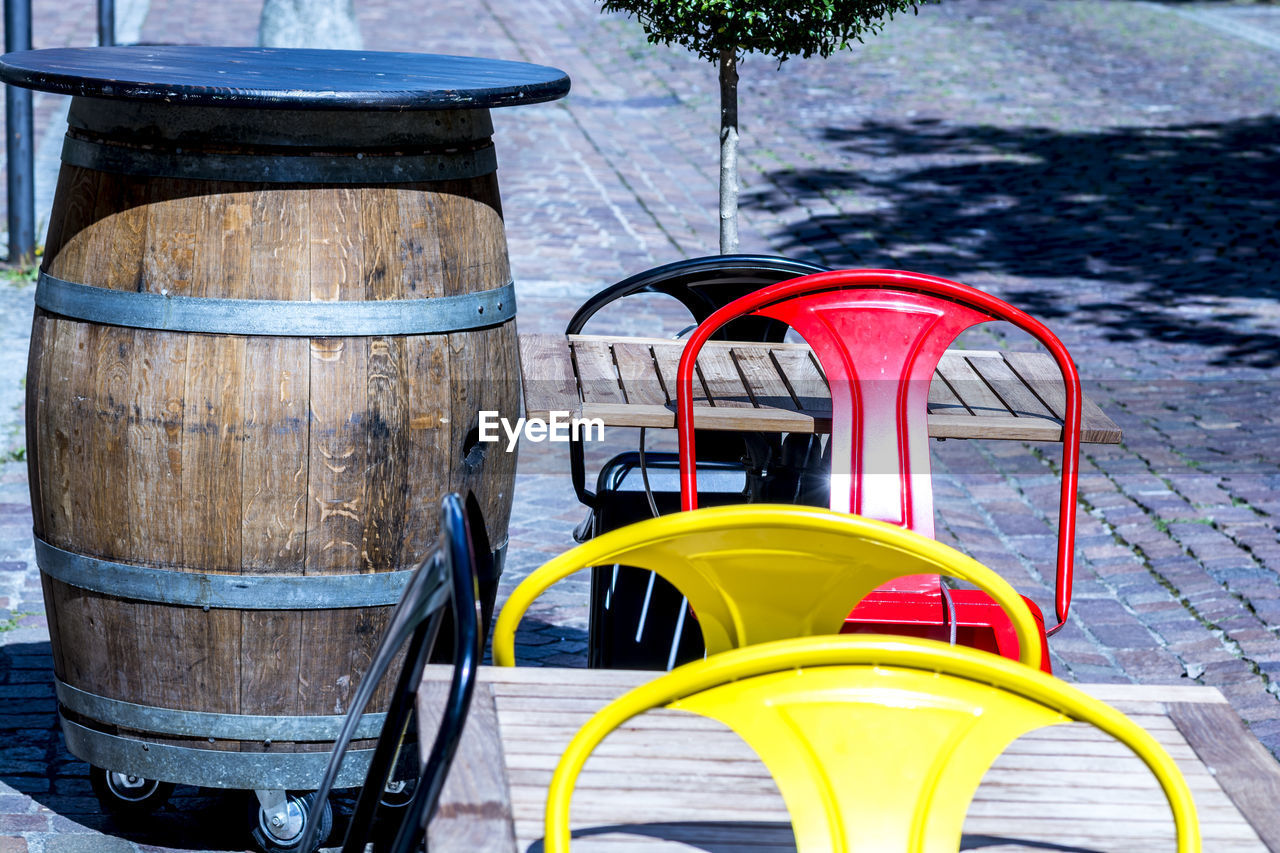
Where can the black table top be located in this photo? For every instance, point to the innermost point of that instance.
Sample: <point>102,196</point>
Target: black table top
<point>284,78</point>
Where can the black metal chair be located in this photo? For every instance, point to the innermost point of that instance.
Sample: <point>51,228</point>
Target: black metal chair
<point>444,583</point>
<point>637,621</point>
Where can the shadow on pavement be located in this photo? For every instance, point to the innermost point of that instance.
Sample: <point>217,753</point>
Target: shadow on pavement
<point>1171,221</point>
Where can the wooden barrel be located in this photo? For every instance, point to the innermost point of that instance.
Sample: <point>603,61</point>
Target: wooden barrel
<point>262,342</point>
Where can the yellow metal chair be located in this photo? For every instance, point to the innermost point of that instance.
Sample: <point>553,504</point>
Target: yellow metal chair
<point>760,572</point>
<point>877,743</point>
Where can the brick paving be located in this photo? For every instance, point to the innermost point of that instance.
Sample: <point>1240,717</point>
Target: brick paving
<point>1109,166</point>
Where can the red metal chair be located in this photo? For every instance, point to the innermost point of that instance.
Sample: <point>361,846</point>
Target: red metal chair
<point>878,335</point>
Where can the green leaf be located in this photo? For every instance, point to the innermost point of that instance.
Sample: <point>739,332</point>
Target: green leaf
<point>776,28</point>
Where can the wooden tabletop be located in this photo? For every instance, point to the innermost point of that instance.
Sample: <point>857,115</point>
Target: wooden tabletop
<point>674,781</point>
<point>780,388</point>
<point>292,78</point>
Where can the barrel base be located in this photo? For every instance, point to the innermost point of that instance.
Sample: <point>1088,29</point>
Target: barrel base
<point>210,768</point>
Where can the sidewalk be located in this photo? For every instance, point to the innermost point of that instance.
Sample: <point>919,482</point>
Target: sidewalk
<point>1108,166</point>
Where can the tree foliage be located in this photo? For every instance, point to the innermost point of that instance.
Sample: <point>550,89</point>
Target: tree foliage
<point>777,28</point>
<point>722,31</point>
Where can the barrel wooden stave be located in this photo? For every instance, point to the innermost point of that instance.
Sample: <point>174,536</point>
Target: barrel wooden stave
<point>257,455</point>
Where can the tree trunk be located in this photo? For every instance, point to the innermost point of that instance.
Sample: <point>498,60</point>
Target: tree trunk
<point>309,23</point>
<point>728,152</point>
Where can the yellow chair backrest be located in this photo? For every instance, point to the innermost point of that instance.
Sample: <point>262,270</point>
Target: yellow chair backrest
<point>876,743</point>
<point>762,572</point>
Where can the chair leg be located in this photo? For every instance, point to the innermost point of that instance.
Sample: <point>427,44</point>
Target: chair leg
<point>393,732</point>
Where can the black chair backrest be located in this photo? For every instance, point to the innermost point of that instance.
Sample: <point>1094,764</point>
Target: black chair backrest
<point>701,285</point>
<point>446,578</point>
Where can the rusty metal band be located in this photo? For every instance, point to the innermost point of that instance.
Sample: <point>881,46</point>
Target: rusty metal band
<point>353,168</point>
<point>206,724</point>
<point>210,768</point>
<point>203,589</point>
<point>276,317</point>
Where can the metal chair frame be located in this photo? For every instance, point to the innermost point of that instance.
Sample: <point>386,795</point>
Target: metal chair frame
<point>701,285</point>
<point>447,578</point>
<point>878,335</point>
<point>876,743</point>
<point>755,573</point>
<point>632,613</point>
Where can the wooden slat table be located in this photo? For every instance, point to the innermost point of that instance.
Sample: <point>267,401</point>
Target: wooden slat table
<point>674,781</point>
<point>630,382</point>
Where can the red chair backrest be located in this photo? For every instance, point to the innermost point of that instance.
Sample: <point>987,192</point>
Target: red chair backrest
<point>878,335</point>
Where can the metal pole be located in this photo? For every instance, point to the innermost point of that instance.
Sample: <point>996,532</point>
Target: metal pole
<point>18,145</point>
<point>106,22</point>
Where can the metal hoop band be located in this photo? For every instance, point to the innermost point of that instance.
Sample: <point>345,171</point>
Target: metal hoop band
<point>354,168</point>
<point>211,768</point>
<point>273,316</point>
<point>236,592</point>
<point>254,727</point>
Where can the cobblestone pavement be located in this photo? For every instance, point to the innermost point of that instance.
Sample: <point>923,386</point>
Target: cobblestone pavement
<point>1109,166</point>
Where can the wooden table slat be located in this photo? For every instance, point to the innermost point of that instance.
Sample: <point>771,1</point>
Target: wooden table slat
<point>667,356</point>
<point>724,384</point>
<point>763,380</point>
<point>1001,378</point>
<point>1240,763</point>
<point>641,383</point>
<point>1042,374</point>
<point>474,812</point>
<point>597,376</point>
<point>708,417</point>
<point>969,386</point>
<point>994,426</point>
<point>943,400</point>
<point>549,380</point>
<point>804,379</point>
<point>631,382</point>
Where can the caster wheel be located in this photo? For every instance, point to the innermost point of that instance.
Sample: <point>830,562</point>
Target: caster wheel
<point>397,795</point>
<point>125,794</point>
<point>391,807</point>
<point>282,832</point>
